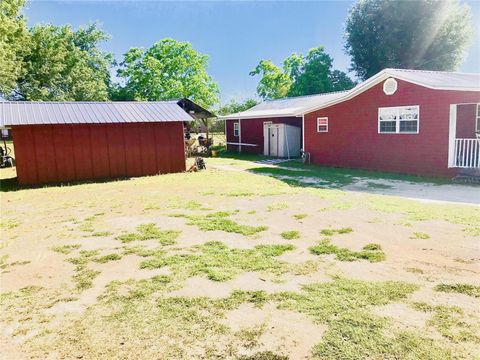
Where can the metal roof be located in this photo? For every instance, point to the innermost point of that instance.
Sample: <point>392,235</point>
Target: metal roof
<point>298,106</point>
<point>286,107</point>
<point>45,113</point>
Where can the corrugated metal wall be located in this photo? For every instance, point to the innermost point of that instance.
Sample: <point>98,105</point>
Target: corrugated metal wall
<point>60,153</point>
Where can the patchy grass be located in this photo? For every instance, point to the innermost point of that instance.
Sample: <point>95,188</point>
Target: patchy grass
<point>7,266</point>
<point>290,235</point>
<point>277,206</point>
<point>101,233</point>
<point>107,258</point>
<point>83,277</point>
<point>263,355</point>
<point>218,262</point>
<point>370,252</point>
<point>300,216</point>
<point>151,232</point>
<point>65,249</point>
<point>353,332</point>
<point>239,193</point>
<point>466,289</point>
<point>420,235</point>
<point>331,232</point>
<point>219,221</point>
<point>451,322</point>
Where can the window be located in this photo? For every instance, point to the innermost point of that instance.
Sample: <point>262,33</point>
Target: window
<point>322,124</point>
<point>478,119</point>
<point>235,129</point>
<point>398,120</point>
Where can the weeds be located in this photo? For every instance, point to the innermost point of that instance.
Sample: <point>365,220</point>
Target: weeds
<point>219,263</point>
<point>449,321</point>
<point>65,249</point>
<point>420,235</point>
<point>290,235</point>
<point>150,232</point>
<point>354,333</point>
<point>300,216</point>
<point>277,206</point>
<point>219,221</point>
<point>331,232</point>
<point>370,252</point>
<point>466,289</point>
<point>107,258</point>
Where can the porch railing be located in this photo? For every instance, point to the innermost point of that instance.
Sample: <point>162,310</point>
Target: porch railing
<point>467,153</point>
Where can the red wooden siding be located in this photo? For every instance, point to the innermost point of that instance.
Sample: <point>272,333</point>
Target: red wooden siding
<point>252,132</point>
<point>61,153</point>
<point>353,139</point>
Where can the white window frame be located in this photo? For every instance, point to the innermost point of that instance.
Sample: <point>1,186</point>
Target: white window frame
<point>477,127</point>
<point>236,129</point>
<point>398,109</point>
<point>326,124</point>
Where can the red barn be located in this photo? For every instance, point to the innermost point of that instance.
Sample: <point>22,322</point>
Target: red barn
<point>404,121</point>
<point>73,141</point>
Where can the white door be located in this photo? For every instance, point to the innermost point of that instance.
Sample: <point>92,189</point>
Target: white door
<point>266,137</point>
<point>274,139</point>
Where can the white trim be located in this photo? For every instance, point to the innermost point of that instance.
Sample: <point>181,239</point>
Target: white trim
<point>477,126</point>
<point>241,144</point>
<point>236,129</point>
<point>318,124</point>
<point>452,134</point>
<point>390,82</point>
<point>397,121</point>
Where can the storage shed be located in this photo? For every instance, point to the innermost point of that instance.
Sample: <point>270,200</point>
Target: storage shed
<point>73,141</point>
<point>404,121</point>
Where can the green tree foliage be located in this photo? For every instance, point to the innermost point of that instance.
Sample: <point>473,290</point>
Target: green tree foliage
<point>421,34</point>
<point>275,83</point>
<point>234,106</point>
<point>301,75</point>
<point>168,70</point>
<point>65,65</point>
<point>13,44</point>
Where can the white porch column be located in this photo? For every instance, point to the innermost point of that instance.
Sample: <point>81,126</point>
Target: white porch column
<point>452,134</point>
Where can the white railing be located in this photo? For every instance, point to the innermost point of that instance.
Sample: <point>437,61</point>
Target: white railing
<point>467,153</point>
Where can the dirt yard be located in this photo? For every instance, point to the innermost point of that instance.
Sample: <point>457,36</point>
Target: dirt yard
<point>229,264</point>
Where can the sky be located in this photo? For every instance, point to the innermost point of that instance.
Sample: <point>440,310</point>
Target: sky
<point>235,34</point>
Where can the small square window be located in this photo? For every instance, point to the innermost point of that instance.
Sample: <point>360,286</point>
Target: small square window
<point>322,124</point>
<point>236,129</point>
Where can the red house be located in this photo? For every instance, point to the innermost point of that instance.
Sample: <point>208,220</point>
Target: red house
<point>72,141</point>
<point>403,121</point>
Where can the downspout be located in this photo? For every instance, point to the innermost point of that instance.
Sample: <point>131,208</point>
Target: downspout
<point>303,133</point>
<point>239,135</point>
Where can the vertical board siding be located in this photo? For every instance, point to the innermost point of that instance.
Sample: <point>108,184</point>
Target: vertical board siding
<point>62,153</point>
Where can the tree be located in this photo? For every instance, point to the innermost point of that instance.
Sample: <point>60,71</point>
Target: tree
<point>168,70</point>
<point>301,75</point>
<point>422,34</point>
<point>314,77</point>
<point>274,83</point>
<point>340,81</point>
<point>65,65</point>
<point>13,44</point>
<point>234,106</point>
